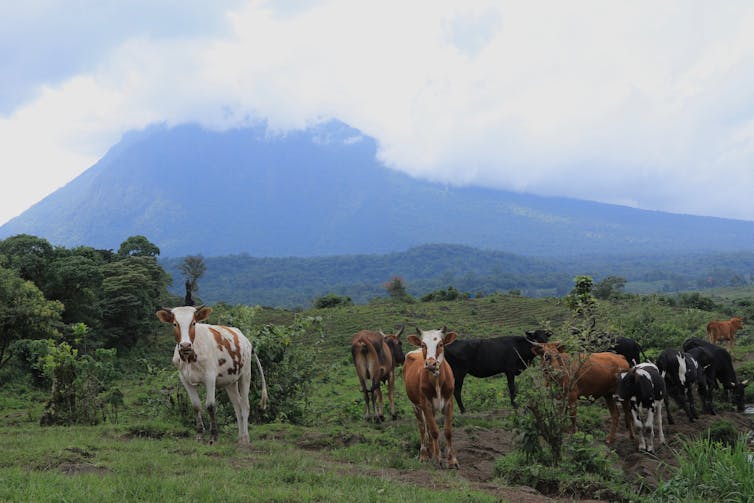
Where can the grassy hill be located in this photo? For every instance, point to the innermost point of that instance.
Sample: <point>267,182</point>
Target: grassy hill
<point>149,454</point>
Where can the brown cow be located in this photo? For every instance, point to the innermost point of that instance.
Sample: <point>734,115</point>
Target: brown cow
<point>375,356</point>
<point>429,385</point>
<point>724,331</point>
<point>594,375</point>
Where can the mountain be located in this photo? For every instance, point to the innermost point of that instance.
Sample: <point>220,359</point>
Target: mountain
<point>322,191</point>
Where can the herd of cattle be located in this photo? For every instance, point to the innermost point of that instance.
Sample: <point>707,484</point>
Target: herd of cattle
<point>442,361</point>
<point>220,356</point>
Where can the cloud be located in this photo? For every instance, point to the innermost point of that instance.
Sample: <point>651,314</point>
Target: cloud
<point>628,102</point>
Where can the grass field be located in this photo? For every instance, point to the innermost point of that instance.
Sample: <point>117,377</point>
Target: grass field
<point>148,455</point>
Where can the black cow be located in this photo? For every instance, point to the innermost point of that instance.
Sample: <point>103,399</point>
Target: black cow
<point>722,370</point>
<point>705,376</point>
<point>629,348</point>
<point>488,357</point>
<point>642,391</point>
<point>680,371</point>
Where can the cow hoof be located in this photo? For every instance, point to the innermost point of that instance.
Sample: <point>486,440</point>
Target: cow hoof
<point>381,418</point>
<point>671,421</point>
<point>395,416</point>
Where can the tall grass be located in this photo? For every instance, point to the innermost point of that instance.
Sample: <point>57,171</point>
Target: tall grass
<point>711,471</point>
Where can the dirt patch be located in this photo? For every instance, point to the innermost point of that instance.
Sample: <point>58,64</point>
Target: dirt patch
<point>79,468</point>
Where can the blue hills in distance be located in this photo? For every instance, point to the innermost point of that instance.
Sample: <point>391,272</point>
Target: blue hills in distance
<point>323,192</point>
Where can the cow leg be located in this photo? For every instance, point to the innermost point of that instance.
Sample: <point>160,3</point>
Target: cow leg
<point>450,456</point>
<point>512,388</point>
<point>457,390</point>
<point>658,420</point>
<point>196,403</point>
<point>614,413</point>
<point>235,399</point>
<point>211,408</point>
<point>690,401</point>
<point>667,406</point>
<point>420,419</point>
<point>433,434</point>
<point>379,415</point>
<point>628,419</point>
<point>391,394</point>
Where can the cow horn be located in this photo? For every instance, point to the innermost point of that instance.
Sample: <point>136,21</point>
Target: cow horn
<point>199,308</point>
<point>382,333</point>
<point>398,334</point>
<point>166,309</point>
<point>745,382</point>
<point>444,329</point>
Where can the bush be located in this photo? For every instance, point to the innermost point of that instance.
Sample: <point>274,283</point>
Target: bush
<point>450,294</point>
<point>332,300</point>
<point>80,385</point>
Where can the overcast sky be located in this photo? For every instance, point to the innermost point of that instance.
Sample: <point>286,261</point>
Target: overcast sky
<point>648,104</point>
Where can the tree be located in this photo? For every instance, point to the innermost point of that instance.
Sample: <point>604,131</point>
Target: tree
<point>192,269</point>
<point>24,312</point>
<point>138,246</point>
<point>609,287</point>
<point>396,288</point>
<point>75,280</point>
<point>29,255</point>
<point>131,289</point>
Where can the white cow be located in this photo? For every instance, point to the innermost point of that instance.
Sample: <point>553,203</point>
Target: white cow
<point>216,356</point>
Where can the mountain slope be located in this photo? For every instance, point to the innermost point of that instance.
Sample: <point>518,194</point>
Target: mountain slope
<point>323,192</point>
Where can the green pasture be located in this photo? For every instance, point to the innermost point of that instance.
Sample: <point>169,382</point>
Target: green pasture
<point>149,454</point>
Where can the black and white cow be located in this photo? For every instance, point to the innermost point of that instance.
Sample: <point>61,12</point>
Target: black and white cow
<point>629,348</point>
<point>680,372</point>
<point>722,370</point>
<point>705,376</point>
<point>508,355</point>
<point>642,391</point>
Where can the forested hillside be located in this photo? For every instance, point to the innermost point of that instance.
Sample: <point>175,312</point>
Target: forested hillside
<point>297,282</point>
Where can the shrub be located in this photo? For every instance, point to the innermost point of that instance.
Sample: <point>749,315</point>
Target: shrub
<point>450,294</point>
<point>332,300</point>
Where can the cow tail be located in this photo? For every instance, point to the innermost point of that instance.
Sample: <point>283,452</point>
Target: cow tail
<point>263,400</point>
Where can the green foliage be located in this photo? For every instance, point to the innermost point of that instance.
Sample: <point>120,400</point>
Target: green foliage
<point>581,300</point>
<point>612,286</point>
<point>696,300</point>
<point>710,471</point>
<point>722,432</point>
<point>289,369</point>
<point>589,474</point>
<point>28,255</point>
<point>448,294</point>
<point>332,300</point>
<point>80,384</point>
<point>653,324</point>
<point>75,281</point>
<point>131,289</point>
<point>24,312</point>
<point>138,246</point>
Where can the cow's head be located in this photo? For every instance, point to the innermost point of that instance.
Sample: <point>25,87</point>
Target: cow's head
<point>737,395</point>
<point>538,335</point>
<point>736,323</point>
<point>432,343</point>
<point>184,320</point>
<point>393,341</point>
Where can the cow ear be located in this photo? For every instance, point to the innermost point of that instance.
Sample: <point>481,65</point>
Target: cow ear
<point>537,350</point>
<point>165,315</point>
<point>745,383</point>
<point>449,338</point>
<point>561,347</point>
<point>202,313</point>
<point>414,340</point>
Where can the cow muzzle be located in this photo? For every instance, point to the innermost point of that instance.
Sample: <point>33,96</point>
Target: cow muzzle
<point>185,349</point>
<point>433,366</point>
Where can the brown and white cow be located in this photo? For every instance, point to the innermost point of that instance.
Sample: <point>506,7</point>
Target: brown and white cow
<point>375,356</point>
<point>429,385</point>
<point>594,375</point>
<point>724,331</point>
<point>215,356</point>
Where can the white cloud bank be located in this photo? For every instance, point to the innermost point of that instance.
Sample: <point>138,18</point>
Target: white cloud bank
<point>641,103</point>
